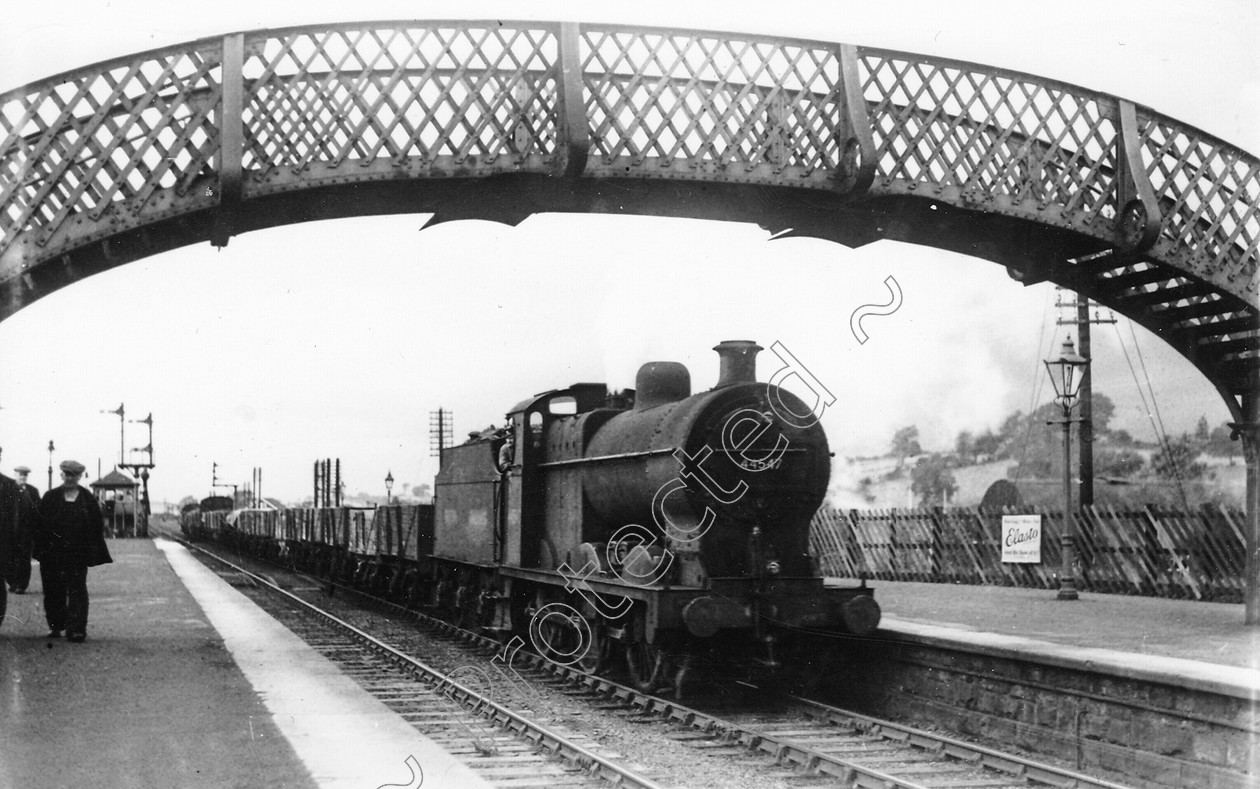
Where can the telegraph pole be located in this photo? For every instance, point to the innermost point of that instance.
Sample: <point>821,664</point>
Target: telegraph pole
<point>1082,322</point>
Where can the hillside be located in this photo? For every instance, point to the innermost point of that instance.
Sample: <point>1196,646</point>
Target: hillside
<point>876,483</point>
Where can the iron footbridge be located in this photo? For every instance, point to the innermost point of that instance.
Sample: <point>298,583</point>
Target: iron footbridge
<point>198,142</point>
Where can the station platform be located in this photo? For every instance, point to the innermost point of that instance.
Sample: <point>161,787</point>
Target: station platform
<point>1148,691</point>
<point>1185,643</point>
<point>185,682</point>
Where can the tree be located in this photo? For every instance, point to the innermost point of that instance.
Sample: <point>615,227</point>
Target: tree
<point>905,442</point>
<point>1118,463</point>
<point>1201,429</point>
<point>1102,410</point>
<point>1037,442</point>
<point>1220,444</point>
<point>423,493</point>
<point>965,446</point>
<point>1176,461</point>
<point>932,481</point>
<point>1019,429</point>
<point>987,443</point>
<point>1012,427</point>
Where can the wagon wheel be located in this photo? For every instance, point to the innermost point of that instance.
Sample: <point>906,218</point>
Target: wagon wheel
<point>595,659</point>
<point>388,581</point>
<point>467,603</point>
<point>403,586</point>
<point>520,610</point>
<point>361,574</point>
<point>563,643</point>
<point>420,591</point>
<point>382,580</point>
<point>440,593</point>
<point>378,579</point>
<point>646,663</point>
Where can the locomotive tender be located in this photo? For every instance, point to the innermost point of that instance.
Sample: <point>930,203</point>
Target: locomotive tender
<point>651,525</point>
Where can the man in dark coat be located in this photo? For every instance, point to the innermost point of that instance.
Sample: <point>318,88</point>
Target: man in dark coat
<point>8,515</point>
<point>70,539</point>
<point>27,510</point>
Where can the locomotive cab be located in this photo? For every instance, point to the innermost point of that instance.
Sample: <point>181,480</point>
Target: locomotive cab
<point>492,503</point>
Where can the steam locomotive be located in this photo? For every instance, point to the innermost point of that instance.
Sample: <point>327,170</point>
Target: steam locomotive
<point>643,528</point>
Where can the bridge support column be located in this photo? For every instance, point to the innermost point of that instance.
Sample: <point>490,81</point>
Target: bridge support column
<point>574,126</point>
<point>1137,209</point>
<point>231,139</point>
<point>1249,431</point>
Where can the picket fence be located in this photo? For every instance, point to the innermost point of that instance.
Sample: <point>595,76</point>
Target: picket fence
<point>1197,554</point>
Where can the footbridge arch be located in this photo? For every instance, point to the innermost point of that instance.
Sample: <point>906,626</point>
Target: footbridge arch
<point>197,142</point>
<point>116,161</point>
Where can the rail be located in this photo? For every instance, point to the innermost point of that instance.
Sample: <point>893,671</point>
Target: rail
<point>480,705</point>
<point>874,737</point>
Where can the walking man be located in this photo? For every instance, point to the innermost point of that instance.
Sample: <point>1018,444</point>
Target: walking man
<point>71,538</point>
<point>8,514</point>
<point>27,510</point>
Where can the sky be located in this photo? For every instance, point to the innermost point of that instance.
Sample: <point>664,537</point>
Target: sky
<point>338,339</point>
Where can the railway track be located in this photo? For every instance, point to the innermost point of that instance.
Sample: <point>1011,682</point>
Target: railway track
<point>802,741</point>
<point>504,747</point>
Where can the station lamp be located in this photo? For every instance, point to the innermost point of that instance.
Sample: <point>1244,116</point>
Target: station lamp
<point>389,485</point>
<point>1066,374</point>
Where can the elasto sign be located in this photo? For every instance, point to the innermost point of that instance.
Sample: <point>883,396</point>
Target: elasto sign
<point>1021,539</point>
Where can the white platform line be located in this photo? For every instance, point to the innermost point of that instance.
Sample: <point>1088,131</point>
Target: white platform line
<point>344,736</point>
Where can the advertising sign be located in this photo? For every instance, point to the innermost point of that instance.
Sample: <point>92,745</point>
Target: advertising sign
<point>1021,538</point>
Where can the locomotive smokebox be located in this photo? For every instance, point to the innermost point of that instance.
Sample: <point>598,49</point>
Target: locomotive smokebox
<point>659,383</point>
<point>739,362</point>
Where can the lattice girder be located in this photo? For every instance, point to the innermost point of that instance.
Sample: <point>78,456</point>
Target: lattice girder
<point>119,159</point>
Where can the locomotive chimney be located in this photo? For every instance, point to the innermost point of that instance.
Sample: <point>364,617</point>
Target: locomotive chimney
<point>739,362</point>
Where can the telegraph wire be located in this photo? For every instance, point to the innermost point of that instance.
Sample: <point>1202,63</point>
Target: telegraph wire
<point>1038,384</point>
<point>1176,466</point>
<point>1161,437</point>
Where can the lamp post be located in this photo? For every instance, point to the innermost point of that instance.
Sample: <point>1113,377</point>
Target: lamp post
<point>1066,373</point>
<point>389,485</point>
<point>50,451</point>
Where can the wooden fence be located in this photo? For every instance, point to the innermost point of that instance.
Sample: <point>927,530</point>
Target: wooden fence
<point>1152,551</point>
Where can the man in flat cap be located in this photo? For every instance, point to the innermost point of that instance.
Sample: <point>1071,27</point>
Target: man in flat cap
<point>8,517</point>
<point>69,540</point>
<point>27,510</point>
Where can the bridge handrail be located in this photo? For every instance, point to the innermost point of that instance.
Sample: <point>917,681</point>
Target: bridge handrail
<point>662,102</point>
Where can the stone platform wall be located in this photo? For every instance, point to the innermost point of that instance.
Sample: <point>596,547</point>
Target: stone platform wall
<point>1133,730</point>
